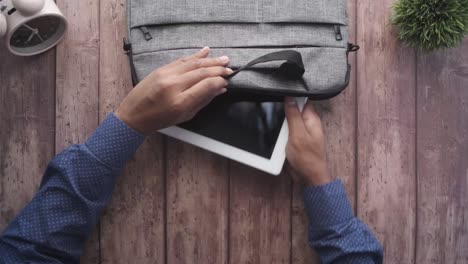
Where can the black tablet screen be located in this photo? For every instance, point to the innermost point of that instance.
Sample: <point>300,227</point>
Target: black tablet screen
<point>251,126</point>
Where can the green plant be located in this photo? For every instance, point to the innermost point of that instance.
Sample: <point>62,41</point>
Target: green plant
<point>431,24</point>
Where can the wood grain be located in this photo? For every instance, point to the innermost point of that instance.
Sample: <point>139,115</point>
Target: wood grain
<point>220,211</point>
<point>132,229</point>
<point>27,127</point>
<point>386,133</point>
<point>77,74</point>
<point>442,157</point>
<point>339,122</point>
<point>197,205</point>
<point>260,216</point>
<point>77,85</point>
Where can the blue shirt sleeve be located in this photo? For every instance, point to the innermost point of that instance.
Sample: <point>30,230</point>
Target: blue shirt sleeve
<point>334,232</point>
<point>75,188</point>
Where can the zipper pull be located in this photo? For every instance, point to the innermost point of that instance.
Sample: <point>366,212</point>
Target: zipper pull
<point>127,46</point>
<point>146,33</point>
<point>353,47</point>
<point>338,35</point>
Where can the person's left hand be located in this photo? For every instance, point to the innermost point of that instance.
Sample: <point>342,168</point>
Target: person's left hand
<point>174,93</point>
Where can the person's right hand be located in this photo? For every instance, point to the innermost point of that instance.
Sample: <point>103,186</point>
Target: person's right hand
<point>305,150</point>
<point>174,93</point>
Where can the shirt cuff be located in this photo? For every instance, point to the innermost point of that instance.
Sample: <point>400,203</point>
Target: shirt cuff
<point>114,143</point>
<point>327,205</point>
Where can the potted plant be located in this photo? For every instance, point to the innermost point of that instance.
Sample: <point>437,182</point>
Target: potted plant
<point>431,24</point>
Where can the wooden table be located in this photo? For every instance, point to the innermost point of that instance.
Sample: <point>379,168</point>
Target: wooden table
<point>398,138</point>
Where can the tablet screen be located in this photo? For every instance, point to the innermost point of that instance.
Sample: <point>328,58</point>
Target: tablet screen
<point>250,126</point>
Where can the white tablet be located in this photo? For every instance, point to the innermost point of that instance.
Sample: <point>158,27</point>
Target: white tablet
<point>248,132</point>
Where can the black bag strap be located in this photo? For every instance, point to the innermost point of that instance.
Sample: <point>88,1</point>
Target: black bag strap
<point>293,68</point>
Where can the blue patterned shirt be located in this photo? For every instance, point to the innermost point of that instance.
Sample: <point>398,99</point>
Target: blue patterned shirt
<point>78,184</point>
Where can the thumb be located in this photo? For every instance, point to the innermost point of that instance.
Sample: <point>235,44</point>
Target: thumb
<point>310,117</point>
<point>293,116</point>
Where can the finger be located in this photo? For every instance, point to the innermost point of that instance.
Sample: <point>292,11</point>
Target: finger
<point>203,92</point>
<point>310,117</point>
<point>293,116</point>
<point>203,53</point>
<point>195,64</point>
<point>207,100</point>
<point>193,77</point>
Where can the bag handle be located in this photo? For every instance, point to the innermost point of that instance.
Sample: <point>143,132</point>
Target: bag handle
<point>293,68</point>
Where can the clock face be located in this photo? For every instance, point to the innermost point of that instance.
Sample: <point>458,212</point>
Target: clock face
<point>36,32</point>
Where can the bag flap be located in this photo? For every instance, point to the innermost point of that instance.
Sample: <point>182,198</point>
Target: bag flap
<point>325,69</point>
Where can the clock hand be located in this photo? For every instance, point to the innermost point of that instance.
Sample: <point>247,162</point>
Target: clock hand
<point>39,36</point>
<point>35,31</point>
<point>28,27</point>
<point>30,37</point>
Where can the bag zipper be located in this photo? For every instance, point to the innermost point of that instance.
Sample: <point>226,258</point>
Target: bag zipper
<point>272,47</point>
<point>127,47</point>
<point>338,35</point>
<point>147,34</point>
<point>353,47</point>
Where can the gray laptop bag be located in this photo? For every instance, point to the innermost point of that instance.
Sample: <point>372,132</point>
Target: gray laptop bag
<point>276,47</point>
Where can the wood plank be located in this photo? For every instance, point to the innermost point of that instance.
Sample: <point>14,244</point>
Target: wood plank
<point>132,228</point>
<point>77,74</point>
<point>442,235</point>
<point>197,205</point>
<point>386,133</point>
<point>260,216</point>
<point>339,124</point>
<point>77,85</point>
<point>27,113</point>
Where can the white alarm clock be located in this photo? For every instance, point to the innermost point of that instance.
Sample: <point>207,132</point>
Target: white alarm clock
<point>31,26</point>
